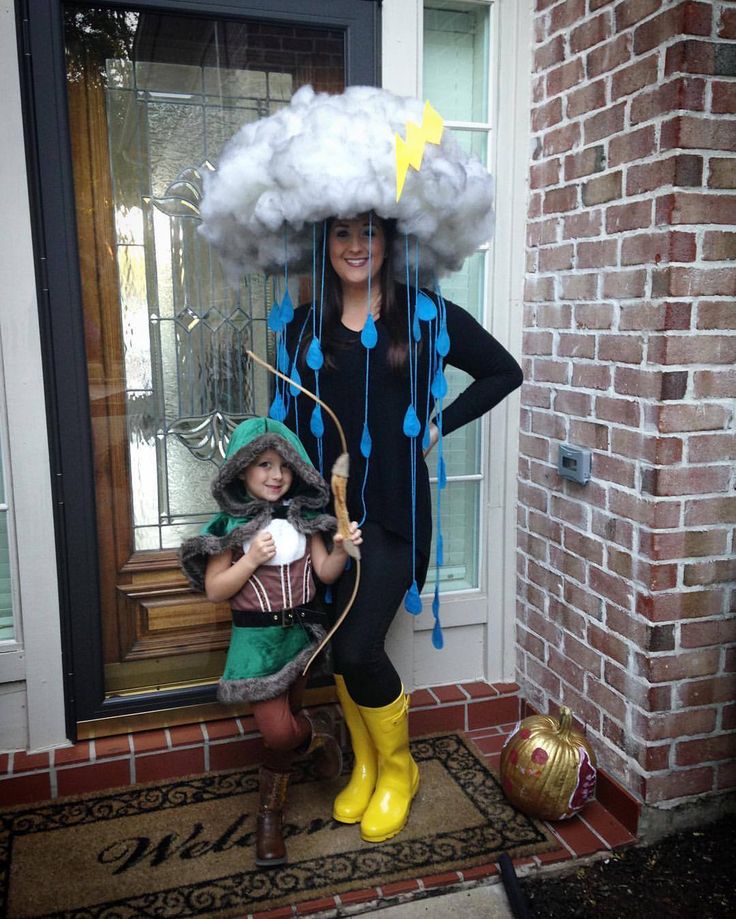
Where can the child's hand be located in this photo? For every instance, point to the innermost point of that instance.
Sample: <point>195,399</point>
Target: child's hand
<point>262,549</point>
<point>356,536</point>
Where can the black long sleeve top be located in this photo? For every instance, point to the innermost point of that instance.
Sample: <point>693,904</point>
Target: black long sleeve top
<point>388,488</point>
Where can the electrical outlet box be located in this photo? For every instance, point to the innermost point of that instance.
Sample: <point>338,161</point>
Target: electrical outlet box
<point>574,463</point>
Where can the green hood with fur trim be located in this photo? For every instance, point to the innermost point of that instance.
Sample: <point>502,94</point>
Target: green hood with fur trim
<point>242,515</point>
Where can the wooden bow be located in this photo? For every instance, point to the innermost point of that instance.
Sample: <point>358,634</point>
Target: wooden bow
<point>338,484</point>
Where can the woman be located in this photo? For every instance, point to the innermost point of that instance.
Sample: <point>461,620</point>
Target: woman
<point>359,278</point>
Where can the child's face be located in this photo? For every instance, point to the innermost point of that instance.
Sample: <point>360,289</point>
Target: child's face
<point>268,477</point>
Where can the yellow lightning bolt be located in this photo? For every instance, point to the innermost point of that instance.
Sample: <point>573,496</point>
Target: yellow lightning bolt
<point>410,152</point>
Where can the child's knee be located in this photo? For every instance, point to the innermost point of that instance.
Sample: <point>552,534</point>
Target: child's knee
<point>282,738</point>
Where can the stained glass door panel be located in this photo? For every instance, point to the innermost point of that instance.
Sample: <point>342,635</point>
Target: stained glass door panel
<point>152,99</point>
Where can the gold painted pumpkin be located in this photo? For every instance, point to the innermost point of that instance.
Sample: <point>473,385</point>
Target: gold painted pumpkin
<point>547,768</point>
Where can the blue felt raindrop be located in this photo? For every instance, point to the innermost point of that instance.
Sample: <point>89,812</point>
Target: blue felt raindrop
<point>282,356</point>
<point>440,550</point>
<point>275,320</point>
<point>437,639</point>
<point>443,341</point>
<point>412,427</point>
<point>416,329</point>
<point>412,600</point>
<point>295,376</point>
<point>278,409</point>
<point>315,358</point>
<point>369,335</point>
<point>425,308</point>
<point>316,424</point>
<point>366,442</point>
<point>287,308</point>
<point>426,437</point>
<point>441,472</point>
<point>439,385</point>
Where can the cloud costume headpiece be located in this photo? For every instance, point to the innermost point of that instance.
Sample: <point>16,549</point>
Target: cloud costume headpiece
<point>327,156</point>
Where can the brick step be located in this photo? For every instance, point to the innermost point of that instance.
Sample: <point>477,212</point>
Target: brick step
<point>486,712</point>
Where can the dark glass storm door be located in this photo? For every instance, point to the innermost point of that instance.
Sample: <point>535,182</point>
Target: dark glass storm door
<point>128,107</point>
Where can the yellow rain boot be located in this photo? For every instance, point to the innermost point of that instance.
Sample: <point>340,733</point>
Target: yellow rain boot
<point>352,801</point>
<point>398,774</point>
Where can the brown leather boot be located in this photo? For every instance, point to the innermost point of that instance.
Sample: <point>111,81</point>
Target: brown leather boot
<point>270,848</point>
<point>323,743</point>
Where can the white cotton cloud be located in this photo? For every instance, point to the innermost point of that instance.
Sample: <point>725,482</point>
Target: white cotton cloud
<point>326,156</point>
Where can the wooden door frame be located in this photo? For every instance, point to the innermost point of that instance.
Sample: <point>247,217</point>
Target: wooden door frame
<point>53,208</point>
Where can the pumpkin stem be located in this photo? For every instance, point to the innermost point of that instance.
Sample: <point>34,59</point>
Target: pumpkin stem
<point>565,720</point>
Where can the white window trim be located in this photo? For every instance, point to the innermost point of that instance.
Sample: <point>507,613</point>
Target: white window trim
<point>511,42</point>
<point>39,701</point>
<point>11,656</point>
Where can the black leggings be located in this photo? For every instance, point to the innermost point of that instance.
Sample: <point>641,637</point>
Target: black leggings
<point>358,645</point>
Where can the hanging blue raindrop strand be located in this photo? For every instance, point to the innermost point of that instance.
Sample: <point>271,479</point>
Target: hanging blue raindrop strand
<point>369,340</point>
<point>297,349</point>
<point>314,357</point>
<point>280,316</point>
<point>316,425</point>
<point>277,410</point>
<point>431,361</point>
<point>439,391</point>
<point>412,428</point>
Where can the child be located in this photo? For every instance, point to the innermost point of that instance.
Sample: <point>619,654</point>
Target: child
<point>259,553</point>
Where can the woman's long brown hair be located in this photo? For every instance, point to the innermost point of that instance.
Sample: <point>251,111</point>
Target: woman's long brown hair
<point>392,314</point>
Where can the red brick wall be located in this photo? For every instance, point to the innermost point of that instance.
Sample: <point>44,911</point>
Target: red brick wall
<point>626,585</point>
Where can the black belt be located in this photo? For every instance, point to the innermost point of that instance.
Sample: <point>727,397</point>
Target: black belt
<point>285,618</point>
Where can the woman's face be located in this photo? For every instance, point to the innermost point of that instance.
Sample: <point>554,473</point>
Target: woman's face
<point>350,243</point>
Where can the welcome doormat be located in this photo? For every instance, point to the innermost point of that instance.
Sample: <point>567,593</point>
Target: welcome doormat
<point>185,848</point>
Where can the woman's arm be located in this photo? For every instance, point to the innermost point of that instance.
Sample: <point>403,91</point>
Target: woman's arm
<point>328,566</point>
<point>495,372</point>
<point>223,579</point>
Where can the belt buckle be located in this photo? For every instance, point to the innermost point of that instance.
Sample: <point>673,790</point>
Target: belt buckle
<point>287,618</point>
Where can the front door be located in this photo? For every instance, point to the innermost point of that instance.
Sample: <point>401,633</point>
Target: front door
<point>147,336</point>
